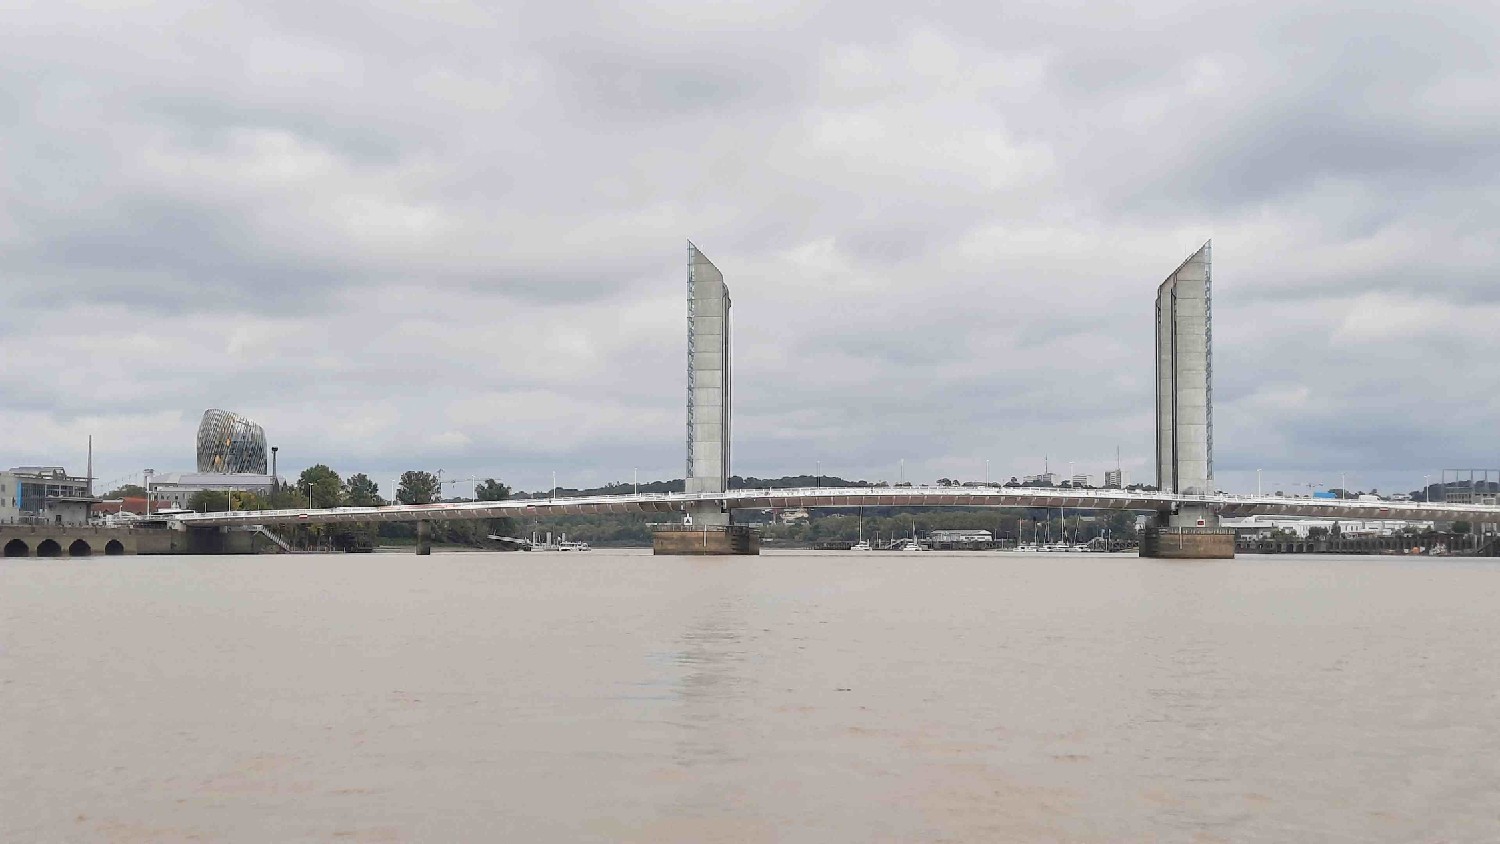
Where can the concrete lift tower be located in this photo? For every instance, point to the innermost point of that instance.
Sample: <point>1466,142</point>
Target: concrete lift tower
<point>1185,414</point>
<point>706,527</point>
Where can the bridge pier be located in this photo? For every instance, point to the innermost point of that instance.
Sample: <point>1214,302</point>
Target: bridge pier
<point>424,541</point>
<point>1164,542</point>
<point>706,540</point>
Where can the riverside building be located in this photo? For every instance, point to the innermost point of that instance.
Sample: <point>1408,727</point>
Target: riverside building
<point>43,495</point>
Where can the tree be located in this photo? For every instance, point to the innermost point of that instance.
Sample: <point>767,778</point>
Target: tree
<point>360,491</point>
<point>493,490</point>
<point>127,491</point>
<point>209,501</point>
<point>284,497</point>
<point>326,485</point>
<point>417,487</point>
<point>1462,527</point>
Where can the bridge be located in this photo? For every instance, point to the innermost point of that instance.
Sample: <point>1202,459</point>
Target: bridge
<point>676,504</point>
<point>1187,509</point>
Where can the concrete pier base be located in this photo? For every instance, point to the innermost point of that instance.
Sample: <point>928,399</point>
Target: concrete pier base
<point>424,538</point>
<point>1188,543</point>
<point>712,540</point>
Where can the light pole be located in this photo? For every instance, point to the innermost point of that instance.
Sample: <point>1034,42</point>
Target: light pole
<point>554,484</point>
<point>986,472</point>
<point>309,493</point>
<point>903,471</point>
<point>146,475</point>
<point>1343,486</point>
<point>1426,490</point>
<point>1257,483</point>
<point>820,473</point>
<point>635,479</point>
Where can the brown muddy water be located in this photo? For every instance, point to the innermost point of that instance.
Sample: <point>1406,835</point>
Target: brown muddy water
<point>808,697</point>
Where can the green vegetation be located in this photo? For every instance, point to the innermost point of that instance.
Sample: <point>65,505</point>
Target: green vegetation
<point>207,501</point>
<point>418,488</point>
<point>360,491</point>
<point>327,489</point>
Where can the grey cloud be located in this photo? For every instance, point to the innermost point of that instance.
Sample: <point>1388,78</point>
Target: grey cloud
<point>202,121</point>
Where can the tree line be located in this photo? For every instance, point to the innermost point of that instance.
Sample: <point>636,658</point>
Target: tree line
<point>321,487</point>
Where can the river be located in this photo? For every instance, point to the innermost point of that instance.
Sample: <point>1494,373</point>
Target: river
<point>807,697</point>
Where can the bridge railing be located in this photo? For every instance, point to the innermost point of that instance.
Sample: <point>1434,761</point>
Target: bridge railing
<point>1068,497</point>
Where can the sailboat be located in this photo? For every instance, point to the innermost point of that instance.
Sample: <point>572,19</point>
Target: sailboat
<point>912,544</point>
<point>861,545</point>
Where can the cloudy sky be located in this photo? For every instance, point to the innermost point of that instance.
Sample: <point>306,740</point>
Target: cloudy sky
<point>453,235</point>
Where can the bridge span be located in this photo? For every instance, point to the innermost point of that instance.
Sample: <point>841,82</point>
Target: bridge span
<point>676,504</point>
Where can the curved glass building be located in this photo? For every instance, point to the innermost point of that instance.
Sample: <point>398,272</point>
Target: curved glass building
<point>228,443</point>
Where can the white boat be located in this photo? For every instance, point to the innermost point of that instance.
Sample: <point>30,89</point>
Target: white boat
<point>562,543</point>
<point>911,545</point>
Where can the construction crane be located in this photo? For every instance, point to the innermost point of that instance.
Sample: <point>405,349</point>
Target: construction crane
<point>471,480</point>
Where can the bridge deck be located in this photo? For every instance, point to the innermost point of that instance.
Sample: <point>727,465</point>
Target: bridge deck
<point>815,497</point>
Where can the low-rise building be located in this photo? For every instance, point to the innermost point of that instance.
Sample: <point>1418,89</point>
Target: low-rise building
<point>179,487</point>
<point>1265,526</point>
<point>43,495</point>
<point>961,536</point>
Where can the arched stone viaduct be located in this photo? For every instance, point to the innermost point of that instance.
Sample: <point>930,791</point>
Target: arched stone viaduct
<point>17,541</point>
<point>66,541</point>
